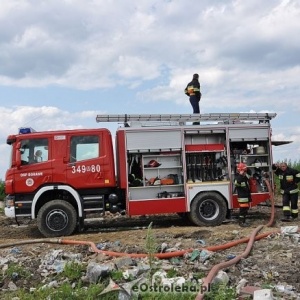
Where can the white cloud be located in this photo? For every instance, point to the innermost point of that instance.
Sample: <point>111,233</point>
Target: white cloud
<point>43,118</point>
<point>86,44</point>
<point>246,53</point>
<point>40,118</point>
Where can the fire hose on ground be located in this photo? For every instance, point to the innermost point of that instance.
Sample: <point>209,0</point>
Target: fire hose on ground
<point>207,281</point>
<point>213,272</point>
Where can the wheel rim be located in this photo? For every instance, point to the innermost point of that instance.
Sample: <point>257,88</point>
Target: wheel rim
<point>209,210</point>
<point>57,220</point>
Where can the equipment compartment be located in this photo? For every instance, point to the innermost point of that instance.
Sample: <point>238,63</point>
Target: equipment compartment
<point>162,175</point>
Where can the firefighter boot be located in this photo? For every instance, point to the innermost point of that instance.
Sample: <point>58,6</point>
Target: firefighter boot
<point>242,222</point>
<point>287,219</point>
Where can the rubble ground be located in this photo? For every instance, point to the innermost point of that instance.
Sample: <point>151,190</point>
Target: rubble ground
<point>273,262</point>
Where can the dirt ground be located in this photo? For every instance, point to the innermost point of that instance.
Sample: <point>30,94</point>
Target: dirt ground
<point>274,260</point>
<point>170,229</point>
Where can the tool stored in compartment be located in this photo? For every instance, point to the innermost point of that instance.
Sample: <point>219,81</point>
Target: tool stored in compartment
<point>166,194</point>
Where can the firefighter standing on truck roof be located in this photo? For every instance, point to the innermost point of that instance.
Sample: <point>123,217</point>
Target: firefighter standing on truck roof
<point>243,191</point>
<point>193,91</point>
<point>289,190</point>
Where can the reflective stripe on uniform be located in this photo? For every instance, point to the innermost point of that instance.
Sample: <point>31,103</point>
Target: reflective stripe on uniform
<point>243,200</point>
<point>242,184</point>
<point>290,192</point>
<point>236,183</point>
<point>286,208</point>
<point>191,90</point>
<point>195,89</point>
<point>246,204</point>
<point>289,178</point>
<point>294,211</point>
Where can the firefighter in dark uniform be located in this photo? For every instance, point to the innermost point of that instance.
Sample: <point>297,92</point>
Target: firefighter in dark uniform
<point>241,183</point>
<point>193,91</point>
<point>289,190</point>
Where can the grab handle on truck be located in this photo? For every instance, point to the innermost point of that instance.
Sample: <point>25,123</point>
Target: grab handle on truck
<point>18,155</point>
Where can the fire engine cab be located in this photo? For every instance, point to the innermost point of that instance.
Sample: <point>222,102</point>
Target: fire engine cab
<point>159,164</point>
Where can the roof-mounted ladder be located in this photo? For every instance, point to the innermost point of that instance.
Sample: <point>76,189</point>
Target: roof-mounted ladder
<point>228,118</point>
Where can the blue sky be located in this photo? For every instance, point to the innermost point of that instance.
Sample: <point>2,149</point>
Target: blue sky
<point>63,62</point>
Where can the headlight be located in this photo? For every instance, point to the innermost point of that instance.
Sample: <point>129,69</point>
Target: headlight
<point>9,201</point>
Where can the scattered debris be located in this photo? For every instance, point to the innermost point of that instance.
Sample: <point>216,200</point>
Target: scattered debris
<point>273,262</point>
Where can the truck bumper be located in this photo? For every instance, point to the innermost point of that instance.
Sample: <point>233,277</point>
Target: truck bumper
<point>9,212</point>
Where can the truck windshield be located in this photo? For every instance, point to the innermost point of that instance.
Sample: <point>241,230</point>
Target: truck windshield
<point>34,151</point>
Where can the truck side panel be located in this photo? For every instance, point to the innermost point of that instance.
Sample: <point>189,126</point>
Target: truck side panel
<point>143,141</point>
<point>165,147</point>
<point>157,206</point>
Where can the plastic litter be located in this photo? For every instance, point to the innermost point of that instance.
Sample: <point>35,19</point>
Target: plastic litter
<point>242,283</point>
<point>205,255</point>
<point>195,255</point>
<point>289,230</point>
<point>15,250</point>
<point>201,242</point>
<point>230,256</point>
<point>178,281</point>
<point>264,294</point>
<point>222,277</point>
<point>114,288</point>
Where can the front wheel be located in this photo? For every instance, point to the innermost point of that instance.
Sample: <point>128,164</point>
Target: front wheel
<point>57,218</point>
<point>208,209</point>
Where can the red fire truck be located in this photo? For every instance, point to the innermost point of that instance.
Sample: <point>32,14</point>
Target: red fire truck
<point>160,164</point>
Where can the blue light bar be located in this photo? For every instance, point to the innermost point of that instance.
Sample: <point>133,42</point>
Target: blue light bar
<point>24,130</point>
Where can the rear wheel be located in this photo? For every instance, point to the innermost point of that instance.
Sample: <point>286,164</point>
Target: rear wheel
<point>208,209</point>
<point>57,218</point>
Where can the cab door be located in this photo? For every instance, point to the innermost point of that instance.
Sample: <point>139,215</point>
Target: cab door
<point>35,168</point>
<point>90,163</point>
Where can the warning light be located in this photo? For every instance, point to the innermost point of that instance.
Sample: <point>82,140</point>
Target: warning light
<point>24,130</point>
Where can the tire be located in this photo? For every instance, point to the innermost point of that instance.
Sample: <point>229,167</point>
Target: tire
<point>208,209</point>
<point>57,218</point>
